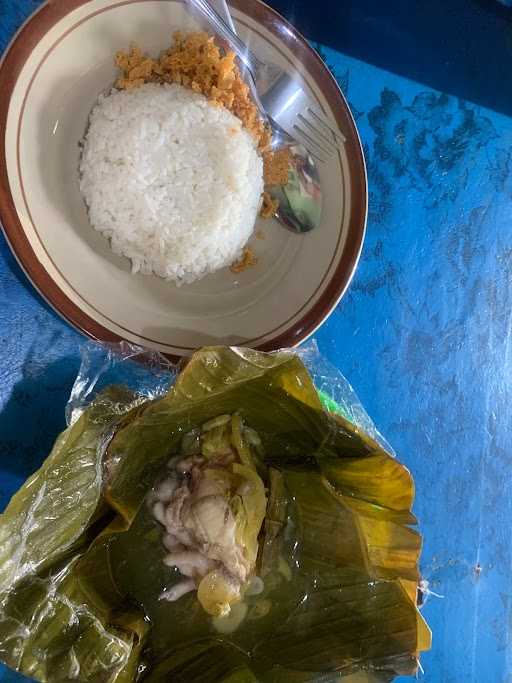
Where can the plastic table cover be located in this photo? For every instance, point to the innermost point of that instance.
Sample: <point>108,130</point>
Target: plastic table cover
<point>423,333</point>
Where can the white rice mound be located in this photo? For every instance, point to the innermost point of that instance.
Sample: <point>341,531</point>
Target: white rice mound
<point>174,182</point>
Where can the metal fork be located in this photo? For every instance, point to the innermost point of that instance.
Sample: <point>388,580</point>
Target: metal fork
<point>281,98</point>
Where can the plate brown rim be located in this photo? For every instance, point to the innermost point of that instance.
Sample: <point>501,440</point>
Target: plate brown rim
<point>11,65</point>
<point>116,325</point>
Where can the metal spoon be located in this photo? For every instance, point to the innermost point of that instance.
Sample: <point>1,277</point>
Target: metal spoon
<point>300,200</point>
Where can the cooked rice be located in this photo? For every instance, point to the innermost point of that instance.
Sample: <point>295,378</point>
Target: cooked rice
<point>174,182</point>
<point>197,62</point>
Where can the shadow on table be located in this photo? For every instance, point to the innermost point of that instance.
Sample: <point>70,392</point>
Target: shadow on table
<point>33,417</point>
<point>8,676</point>
<point>461,47</point>
<point>17,272</point>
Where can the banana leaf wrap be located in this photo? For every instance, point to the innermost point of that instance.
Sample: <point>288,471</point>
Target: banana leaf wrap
<point>81,567</point>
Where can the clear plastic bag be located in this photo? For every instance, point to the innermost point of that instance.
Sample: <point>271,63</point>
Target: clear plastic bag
<point>81,554</point>
<point>146,372</point>
<point>150,375</point>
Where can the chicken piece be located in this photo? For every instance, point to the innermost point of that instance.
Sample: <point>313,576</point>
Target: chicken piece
<point>212,513</point>
<point>178,590</point>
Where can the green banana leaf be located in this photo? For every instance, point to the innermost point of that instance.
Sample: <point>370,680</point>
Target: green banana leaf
<point>47,630</point>
<point>81,566</point>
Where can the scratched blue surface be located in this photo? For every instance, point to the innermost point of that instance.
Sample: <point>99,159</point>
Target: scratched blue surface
<point>423,335</point>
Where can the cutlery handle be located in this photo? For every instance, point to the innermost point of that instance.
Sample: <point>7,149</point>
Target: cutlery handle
<point>222,9</point>
<point>227,32</point>
<point>218,14</point>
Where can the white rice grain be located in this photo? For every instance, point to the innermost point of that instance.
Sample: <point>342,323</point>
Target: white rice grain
<point>174,182</point>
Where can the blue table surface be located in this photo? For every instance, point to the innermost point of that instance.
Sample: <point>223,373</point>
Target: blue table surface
<point>423,333</point>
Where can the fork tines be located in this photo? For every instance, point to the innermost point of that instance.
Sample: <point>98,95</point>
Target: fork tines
<point>321,139</point>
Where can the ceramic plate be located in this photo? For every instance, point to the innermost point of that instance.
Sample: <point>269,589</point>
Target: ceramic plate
<point>50,78</point>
